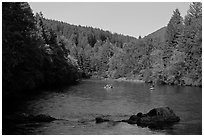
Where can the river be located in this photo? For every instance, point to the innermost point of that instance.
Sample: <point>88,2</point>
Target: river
<point>79,105</point>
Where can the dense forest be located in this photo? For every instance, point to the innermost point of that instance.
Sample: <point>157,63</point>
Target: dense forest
<point>38,52</point>
<point>33,57</point>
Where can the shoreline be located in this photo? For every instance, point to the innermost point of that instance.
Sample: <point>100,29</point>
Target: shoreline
<point>130,80</point>
<point>119,79</point>
<point>123,79</point>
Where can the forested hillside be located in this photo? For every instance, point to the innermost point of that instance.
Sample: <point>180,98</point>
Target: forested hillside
<point>91,47</point>
<point>171,55</point>
<point>159,34</point>
<point>38,52</point>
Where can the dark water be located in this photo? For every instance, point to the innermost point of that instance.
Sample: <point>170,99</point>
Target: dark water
<point>80,104</point>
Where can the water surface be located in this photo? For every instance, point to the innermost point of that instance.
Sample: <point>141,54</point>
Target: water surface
<point>80,104</point>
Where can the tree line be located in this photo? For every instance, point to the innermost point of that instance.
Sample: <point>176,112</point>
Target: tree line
<point>39,52</point>
<point>172,57</point>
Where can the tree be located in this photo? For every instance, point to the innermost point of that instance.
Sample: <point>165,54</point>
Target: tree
<point>105,53</point>
<point>21,56</point>
<point>157,66</point>
<point>116,64</point>
<point>195,11</point>
<point>173,32</point>
<point>59,67</point>
<point>185,63</point>
<point>192,42</point>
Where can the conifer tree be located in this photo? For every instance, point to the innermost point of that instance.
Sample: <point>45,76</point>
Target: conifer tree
<point>192,43</point>
<point>173,33</point>
<point>21,56</point>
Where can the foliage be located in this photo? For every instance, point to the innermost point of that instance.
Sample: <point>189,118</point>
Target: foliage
<point>21,56</point>
<point>38,52</point>
<point>33,55</point>
<point>173,33</point>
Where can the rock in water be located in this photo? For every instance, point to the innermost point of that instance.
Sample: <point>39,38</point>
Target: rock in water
<point>133,119</point>
<point>41,118</point>
<point>159,117</point>
<point>100,120</point>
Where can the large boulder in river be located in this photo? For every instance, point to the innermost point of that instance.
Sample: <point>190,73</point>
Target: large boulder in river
<point>158,117</point>
<point>133,119</point>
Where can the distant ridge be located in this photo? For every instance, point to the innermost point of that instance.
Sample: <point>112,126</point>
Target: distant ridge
<point>160,33</point>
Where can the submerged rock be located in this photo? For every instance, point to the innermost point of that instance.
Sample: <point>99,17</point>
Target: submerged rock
<point>100,120</point>
<point>41,118</point>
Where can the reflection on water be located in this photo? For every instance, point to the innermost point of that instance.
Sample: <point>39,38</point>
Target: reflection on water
<point>80,104</point>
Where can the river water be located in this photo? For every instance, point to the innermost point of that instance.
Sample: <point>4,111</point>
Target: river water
<point>80,104</point>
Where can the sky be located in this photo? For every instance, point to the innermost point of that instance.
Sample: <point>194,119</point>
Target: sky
<point>128,18</point>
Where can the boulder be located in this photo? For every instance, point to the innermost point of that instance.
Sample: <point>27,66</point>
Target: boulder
<point>133,119</point>
<point>158,117</point>
<point>140,114</point>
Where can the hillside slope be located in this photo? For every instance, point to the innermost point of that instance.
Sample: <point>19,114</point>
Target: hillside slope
<point>160,33</point>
